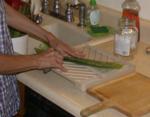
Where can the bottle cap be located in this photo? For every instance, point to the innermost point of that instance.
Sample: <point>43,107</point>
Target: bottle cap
<point>93,2</point>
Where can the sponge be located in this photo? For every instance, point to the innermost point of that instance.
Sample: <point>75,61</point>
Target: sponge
<point>100,31</point>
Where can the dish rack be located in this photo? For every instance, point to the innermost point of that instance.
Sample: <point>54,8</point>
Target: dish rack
<point>84,77</point>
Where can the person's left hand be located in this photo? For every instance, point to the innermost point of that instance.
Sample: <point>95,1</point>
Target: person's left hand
<point>63,48</point>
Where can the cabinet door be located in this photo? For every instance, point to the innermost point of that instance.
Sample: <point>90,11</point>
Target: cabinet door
<point>22,100</point>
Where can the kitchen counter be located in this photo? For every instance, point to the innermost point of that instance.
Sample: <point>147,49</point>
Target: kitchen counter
<point>63,93</point>
<point>141,60</point>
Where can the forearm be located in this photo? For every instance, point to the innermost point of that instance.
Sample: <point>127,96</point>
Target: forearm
<point>22,23</point>
<point>17,63</point>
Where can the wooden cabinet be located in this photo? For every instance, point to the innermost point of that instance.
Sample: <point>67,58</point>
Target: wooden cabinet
<point>22,99</point>
<point>38,106</point>
<point>34,105</point>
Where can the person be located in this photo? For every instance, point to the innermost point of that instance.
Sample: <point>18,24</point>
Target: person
<point>12,64</point>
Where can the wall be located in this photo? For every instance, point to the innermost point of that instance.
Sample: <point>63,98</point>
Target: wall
<point>116,4</point>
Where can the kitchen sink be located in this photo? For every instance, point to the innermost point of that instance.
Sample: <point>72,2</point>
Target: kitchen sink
<point>70,34</point>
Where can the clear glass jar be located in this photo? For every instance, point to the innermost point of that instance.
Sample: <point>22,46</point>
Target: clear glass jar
<point>131,10</point>
<point>126,38</point>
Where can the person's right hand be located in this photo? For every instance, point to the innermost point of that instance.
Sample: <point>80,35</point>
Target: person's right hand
<point>50,59</point>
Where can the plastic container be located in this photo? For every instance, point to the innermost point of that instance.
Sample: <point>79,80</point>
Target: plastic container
<point>20,44</point>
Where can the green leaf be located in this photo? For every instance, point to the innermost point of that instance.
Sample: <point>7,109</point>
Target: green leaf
<point>83,61</point>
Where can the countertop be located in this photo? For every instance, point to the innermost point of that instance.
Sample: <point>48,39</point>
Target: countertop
<point>63,93</point>
<point>60,91</point>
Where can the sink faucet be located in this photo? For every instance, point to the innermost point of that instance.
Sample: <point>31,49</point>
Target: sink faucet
<point>56,10</point>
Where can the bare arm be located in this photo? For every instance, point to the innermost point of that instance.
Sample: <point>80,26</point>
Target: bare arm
<point>22,23</point>
<point>20,63</point>
<point>15,64</point>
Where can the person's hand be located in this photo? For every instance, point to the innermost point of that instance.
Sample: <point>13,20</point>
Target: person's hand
<point>50,59</point>
<point>63,48</point>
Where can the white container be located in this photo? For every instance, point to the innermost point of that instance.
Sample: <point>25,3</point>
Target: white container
<point>20,44</point>
<point>126,38</point>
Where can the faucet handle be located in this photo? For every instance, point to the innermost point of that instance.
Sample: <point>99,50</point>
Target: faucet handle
<point>69,13</point>
<point>45,7</point>
<point>82,15</point>
<point>56,7</point>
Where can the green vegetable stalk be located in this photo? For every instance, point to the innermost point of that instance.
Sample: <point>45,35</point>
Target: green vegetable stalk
<point>83,61</point>
<point>93,63</point>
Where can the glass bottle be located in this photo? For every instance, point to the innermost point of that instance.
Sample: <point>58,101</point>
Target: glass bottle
<point>93,14</point>
<point>126,38</point>
<point>131,10</point>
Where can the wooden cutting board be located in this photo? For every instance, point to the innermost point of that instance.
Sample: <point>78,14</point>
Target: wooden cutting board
<point>129,95</point>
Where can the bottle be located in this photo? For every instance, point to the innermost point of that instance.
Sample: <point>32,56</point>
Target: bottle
<point>131,10</point>
<point>126,38</point>
<point>93,14</point>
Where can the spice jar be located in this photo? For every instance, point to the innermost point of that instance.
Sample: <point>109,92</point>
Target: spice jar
<point>126,38</point>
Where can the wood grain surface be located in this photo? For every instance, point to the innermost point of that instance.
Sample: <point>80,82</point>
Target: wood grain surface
<point>129,95</point>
